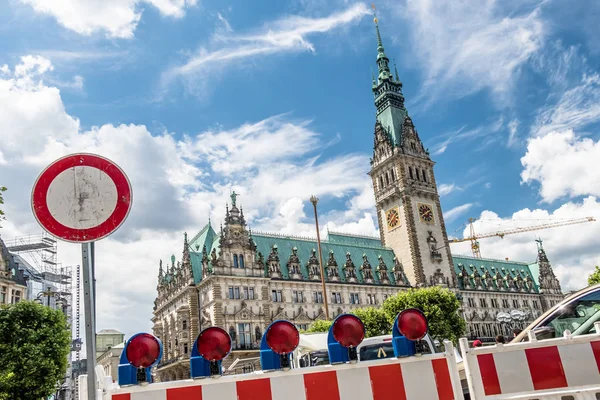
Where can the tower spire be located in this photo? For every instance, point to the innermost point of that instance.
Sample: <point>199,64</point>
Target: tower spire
<point>382,59</point>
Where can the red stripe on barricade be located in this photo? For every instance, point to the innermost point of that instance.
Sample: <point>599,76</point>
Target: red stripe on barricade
<point>321,386</point>
<point>442,379</point>
<point>489,374</point>
<point>545,367</point>
<point>255,389</point>
<point>185,393</point>
<point>596,351</point>
<point>387,382</point>
<point>124,396</point>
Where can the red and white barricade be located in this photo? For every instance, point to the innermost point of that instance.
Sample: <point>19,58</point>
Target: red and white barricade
<point>427,377</point>
<point>561,368</point>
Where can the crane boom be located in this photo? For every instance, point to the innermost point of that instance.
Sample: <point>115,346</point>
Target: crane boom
<point>473,238</point>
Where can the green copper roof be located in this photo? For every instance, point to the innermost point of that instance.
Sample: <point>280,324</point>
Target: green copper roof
<point>206,237</point>
<point>354,240</point>
<point>507,269</point>
<point>535,271</point>
<point>340,245</point>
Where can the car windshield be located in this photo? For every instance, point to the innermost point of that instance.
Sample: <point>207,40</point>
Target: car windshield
<point>578,317</point>
<point>376,351</point>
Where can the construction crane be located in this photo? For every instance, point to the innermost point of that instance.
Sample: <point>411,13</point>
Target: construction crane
<point>473,238</point>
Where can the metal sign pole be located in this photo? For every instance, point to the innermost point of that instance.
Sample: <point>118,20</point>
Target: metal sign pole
<point>89,305</point>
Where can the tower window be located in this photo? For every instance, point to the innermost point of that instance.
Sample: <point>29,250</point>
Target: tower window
<point>387,178</point>
<point>410,173</point>
<point>235,261</point>
<point>424,176</point>
<point>381,182</point>
<point>241,261</point>
<point>393,175</point>
<point>413,146</point>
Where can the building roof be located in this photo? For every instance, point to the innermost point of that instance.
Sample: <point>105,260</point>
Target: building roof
<point>338,243</point>
<point>109,332</point>
<point>506,269</point>
<point>11,265</point>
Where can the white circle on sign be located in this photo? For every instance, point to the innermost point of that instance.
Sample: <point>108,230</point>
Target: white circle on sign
<point>82,197</point>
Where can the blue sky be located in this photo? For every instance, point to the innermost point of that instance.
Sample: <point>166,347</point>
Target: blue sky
<point>197,98</point>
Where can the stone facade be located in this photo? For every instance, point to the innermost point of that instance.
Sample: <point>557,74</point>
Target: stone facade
<point>242,281</point>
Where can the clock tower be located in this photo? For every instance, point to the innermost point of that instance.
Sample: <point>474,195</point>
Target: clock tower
<point>408,204</point>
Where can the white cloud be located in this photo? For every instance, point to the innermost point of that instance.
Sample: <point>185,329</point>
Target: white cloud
<point>572,250</point>
<point>563,165</point>
<point>578,107</point>
<point>512,129</point>
<point>173,191</point>
<point>289,34</point>
<point>117,18</point>
<point>456,212</point>
<point>446,188</point>
<point>462,134</point>
<point>466,46</point>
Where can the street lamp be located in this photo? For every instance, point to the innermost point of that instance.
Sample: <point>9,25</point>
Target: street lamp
<point>511,319</point>
<point>314,200</point>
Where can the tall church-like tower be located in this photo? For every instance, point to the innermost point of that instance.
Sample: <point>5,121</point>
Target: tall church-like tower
<point>406,197</point>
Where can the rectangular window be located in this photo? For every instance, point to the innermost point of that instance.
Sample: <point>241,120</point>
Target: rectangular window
<point>494,303</point>
<point>471,302</point>
<point>505,303</point>
<point>302,327</point>
<point>184,324</point>
<point>244,336</point>
<point>336,297</point>
<point>535,304</point>
<point>246,292</point>
<point>16,296</point>
<point>251,293</point>
<point>371,299</point>
<point>185,349</point>
<point>516,303</point>
<point>318,297</point>
<point>276,296</point>
<point>2,294</point>
<point>482,303</point>
<point>526,303</point>
<point>354,299</point>
<point>298,296</point>
<point>236,291</point>
<point>230,292</point>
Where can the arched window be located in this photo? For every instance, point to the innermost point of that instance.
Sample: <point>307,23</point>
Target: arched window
<point>393,174</point>
<point>235,261</point>
<point>387,178</point>
<point>381,182</point>
<point>257,334</point>
<point>424,176</point>
<point>241,261</point>
<point>410,173</point>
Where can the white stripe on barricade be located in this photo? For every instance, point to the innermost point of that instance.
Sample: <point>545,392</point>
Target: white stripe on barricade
<point>532,368</point>
<point>428,377</point>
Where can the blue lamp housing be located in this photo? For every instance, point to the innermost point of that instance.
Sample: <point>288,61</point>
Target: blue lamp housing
<point>403,347</point>
<point>127,373</point>
<point>269,360</point>
<point>337,352</point>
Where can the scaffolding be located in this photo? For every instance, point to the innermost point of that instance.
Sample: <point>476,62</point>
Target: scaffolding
<point>49,283</point>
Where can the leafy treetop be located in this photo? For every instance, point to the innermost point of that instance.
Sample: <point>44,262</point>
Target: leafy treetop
<point>439,305</point>
<point>34,344</point>
<point>594,276</point>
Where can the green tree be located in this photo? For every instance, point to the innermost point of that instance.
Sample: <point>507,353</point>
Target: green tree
<point>34,344</point>
<point>594,276</point>
<point>320,325</point>
<point>2,217</point>
<point>376,321</point>
<point>439,305</point>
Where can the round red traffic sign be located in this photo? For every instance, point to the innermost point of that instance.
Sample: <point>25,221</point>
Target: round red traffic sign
<point>81,198</point>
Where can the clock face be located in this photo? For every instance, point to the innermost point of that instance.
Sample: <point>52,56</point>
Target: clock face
<point>393,218</point>
<point>425,213</point>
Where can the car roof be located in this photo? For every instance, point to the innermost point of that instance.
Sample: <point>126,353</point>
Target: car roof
<point>545,315</point>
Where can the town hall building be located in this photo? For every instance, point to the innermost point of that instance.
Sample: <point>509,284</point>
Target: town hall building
<point>241,280</point>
